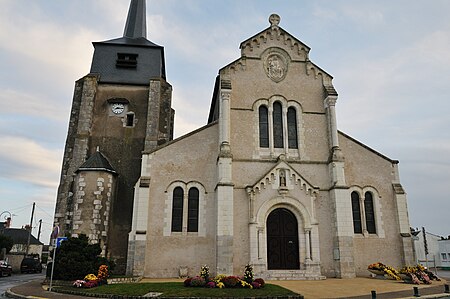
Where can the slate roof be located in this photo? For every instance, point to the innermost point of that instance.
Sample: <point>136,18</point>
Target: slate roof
<point>20,236</point>
<point>136,25</point>
<point>126,41</point>
<point>97,162</point>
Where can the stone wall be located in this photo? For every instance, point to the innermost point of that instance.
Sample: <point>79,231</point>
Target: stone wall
<point>76,148</point>
<point>94,191</point>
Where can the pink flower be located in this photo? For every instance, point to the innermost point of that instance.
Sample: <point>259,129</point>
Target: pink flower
<point>211,284</point>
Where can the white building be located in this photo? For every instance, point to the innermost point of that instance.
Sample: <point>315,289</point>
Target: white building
<point>444,253</point>
<point>438,249</point>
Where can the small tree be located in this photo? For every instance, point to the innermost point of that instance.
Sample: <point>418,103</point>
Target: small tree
<point>76,258</point>
<point>6,242</point>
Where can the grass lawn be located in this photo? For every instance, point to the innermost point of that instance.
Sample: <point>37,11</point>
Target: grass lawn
<point>177,289</point>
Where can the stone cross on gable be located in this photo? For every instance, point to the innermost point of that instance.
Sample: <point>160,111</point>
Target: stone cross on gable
<point>274,20</point>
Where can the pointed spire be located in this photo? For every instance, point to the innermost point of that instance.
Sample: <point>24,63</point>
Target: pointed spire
<point>136,25</point>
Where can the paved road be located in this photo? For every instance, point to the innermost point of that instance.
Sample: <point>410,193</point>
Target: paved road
<point>445,274</point>
<point>7,282</point>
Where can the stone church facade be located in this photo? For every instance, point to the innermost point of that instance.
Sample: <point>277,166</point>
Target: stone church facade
<point>269,181</point>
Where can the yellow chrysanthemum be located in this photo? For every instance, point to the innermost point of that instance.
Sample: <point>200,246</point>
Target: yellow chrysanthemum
<point>90,277</point>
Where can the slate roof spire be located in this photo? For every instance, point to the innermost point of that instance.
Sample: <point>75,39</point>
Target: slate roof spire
<point>136,25</point>
<point>97,162</point>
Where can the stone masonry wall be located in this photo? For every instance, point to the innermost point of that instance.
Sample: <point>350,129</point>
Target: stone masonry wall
<point>93,194</point>
<point>76,147</point>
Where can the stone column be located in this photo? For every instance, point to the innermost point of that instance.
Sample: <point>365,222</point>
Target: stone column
<point>137,237</point>
<point>330,103</point>
<point>270,119</point>
<point>340,198</point>
<point>224,188</point>
<point>403,218</point>
<point>285,131</point>
<point>224,117</point>
<point>251,202</point>
<point>308,245</point>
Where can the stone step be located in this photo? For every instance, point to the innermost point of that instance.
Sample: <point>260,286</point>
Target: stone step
<point>293,275</point>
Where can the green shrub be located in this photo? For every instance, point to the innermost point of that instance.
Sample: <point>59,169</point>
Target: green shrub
<point>76,258</point>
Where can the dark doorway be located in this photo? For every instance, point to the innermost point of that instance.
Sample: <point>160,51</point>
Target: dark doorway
<point>282,240</point>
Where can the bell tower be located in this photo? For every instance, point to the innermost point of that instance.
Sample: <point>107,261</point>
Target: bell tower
<point>121,108</point>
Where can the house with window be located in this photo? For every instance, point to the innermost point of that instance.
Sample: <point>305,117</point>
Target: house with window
<point>444,253</point>
<point>269,180</point>
<point>426,247</point>
<point>24,243</point>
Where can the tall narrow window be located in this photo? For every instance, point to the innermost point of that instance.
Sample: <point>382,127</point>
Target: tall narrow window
<point>263,127</point>
<point>177,210</point>
<point>369,211</point>
<point>356,209</point>
<point>193,210</point>
<point>292,128</point>
<point>130,119</point>
<point>277,125</point>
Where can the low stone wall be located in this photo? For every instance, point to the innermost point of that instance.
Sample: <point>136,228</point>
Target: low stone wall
<point>15,260</point>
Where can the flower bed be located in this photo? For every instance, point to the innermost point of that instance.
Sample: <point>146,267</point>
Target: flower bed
<point>224,281</point>
<point>382,269</point>
<point>92,280</point>
<point>416,274</point>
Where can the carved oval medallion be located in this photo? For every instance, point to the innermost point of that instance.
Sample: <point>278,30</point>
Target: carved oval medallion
<point>275,66</point>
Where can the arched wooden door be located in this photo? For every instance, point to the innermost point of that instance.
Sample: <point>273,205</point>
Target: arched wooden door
<point>282,240</point>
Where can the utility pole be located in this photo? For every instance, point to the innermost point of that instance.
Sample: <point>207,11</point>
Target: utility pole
<point>29,232</point>
<point>425,245</point>
<point>39,231</point>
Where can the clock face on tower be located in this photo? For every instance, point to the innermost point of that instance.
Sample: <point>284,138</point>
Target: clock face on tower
<point>117,108</point>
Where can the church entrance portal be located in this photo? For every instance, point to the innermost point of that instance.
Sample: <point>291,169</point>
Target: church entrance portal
<point>282,240</point>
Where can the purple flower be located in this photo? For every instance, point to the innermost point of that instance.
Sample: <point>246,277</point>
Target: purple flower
<point>256,285</point>
<point>211,284</point>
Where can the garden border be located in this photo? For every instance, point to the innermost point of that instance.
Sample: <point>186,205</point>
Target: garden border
<point>80,293</point>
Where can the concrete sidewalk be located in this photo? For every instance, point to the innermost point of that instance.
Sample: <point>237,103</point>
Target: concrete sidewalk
<point>357,288</point>
<point>35,290</point>
<point>361,288</point>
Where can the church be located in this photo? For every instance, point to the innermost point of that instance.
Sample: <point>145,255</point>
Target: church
<point>268,181</point>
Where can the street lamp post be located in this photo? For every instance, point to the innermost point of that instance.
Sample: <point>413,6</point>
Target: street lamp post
<point>6,212</point>
<point>7,217</point>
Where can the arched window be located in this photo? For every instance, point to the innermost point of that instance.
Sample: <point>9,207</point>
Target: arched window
<point>356,209</point>
<point>177,210</point>
<point>292,128</point>
<point>277,125</point>
<point>369,211</point>
<point>263,127</point>
<point>193,210</point>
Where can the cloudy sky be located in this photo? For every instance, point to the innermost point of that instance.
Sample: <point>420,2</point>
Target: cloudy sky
<point>390,61</point>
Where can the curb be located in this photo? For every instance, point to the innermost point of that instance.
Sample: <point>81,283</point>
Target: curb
<point>11,294</point>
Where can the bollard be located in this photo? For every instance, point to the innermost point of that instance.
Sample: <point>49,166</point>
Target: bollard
<point>416,292</point>
<point>374,294</point>
<point>446,289</point>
